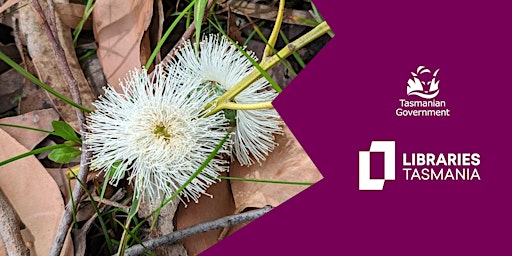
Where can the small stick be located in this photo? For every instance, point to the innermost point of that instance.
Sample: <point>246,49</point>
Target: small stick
<point>75,93</point>
<point>197,229</point>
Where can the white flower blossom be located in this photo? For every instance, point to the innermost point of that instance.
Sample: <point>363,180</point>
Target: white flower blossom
<point>154,133</point>
<point>221,65</point>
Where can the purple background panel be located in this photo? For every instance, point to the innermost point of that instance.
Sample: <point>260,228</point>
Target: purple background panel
<point>347,97</point>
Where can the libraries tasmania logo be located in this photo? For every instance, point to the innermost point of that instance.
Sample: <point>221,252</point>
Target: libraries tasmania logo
<point>422,89</point>
<point>367,183</point>
<point>417,166</point>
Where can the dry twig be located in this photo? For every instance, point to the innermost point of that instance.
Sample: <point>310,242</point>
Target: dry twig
<point>73,88</point>
<point>197,229</point>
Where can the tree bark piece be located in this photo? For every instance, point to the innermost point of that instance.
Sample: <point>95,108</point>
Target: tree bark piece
<point>10,228</point>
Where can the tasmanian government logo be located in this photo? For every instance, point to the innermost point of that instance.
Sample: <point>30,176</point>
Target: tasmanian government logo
<point>418,166</point>
<point>417,85</point>
<point>422,90</point>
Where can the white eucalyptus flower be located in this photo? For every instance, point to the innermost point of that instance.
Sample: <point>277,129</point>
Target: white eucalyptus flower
<point>220,65</point>
<point>154,133</point>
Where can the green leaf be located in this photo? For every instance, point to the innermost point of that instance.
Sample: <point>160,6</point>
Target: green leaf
<point>64,130</point>
<point>199,9</point>
<point>64,155</point>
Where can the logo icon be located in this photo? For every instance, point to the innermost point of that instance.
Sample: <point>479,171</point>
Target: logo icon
<point>386,147</point>
<point>423,83</point>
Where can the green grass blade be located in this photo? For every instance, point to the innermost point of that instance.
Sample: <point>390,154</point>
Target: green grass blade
<point>73,205</point>
<point>38,82</point>
<point>127,234</point>
<point>32,152</point>
<point>199,9</point>
<point>100,218</point>
<point>86,55</point>
<point>29,128</point>
<point>167,34</point>
<point>87,12</point>
<point>253,33</point>
<point>194,175</point>
<point>265,40</point>
<point>295,54</point>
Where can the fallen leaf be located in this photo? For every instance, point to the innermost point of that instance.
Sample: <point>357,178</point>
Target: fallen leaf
<point>71,14</point>
<point>118,28</point>
<point>33,97</point>
<point>207,209</point>
<point>59,176</point>
<point>12,52</point>
<point>233,29</point>
<point>33,194</point>
<point>288,162</point>
<point>164,225</point>
<point>12,86</point>
<point>40,119</point>
<point>268,12</point>
<point>48,70</point>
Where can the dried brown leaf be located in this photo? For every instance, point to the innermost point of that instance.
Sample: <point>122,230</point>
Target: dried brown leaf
<point>118,28</point>
<point>59,176</point>
<point>233,29</point>
<point>46,64</point>
<point>207,209</point>
<point>71,15</point>
<point>268,12</point>
<point>33,194</point>
<point>288,162</point>
<point>164,225</point>
<point>12,84</point>
<point>40,119</point>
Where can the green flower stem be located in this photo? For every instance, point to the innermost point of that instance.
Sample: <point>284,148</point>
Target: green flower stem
<point>33,152</point>
<point>267,181</point>
<point>38,82</point>
<point>288,50</point>
<point>275,33</point>
<point>250,106</point>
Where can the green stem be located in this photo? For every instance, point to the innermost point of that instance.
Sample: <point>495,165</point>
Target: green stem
<point>289,49</point>
<point>38,82</point>
<point>266,181</point>
<point>269,48</point>
<point>32,152</point>
<point>249,106</point>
